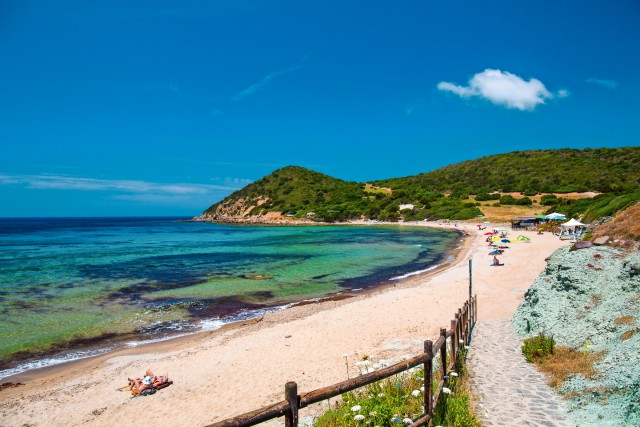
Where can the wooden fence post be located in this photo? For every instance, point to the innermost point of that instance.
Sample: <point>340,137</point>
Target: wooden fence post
<point>428,380</point>
<point>454,341</point>
<point>461,324</point>
<point>443,353</point>
<point>291,396</point>
<point>466,322</point>
<point>475,311</point>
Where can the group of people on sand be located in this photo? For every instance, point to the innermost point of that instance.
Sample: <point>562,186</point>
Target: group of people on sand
<point>149,381</point>
<point>490,240</point>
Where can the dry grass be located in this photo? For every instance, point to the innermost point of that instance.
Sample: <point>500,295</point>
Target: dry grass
<point>629,334</point>
<point>625,320</point>
<point>505,213</point>
<point>368,188</point>
<point>625,225</point>
<point>566,362</point>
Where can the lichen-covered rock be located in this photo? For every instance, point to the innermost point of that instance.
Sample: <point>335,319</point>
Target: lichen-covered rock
<point>589,299</point>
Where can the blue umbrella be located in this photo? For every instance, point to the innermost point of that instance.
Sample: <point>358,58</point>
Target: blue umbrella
<point>505,241</point>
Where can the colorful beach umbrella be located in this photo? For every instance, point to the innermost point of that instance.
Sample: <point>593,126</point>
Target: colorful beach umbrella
<point>505,241</point>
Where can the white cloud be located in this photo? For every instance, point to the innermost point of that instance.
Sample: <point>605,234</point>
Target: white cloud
<point>503,88</point>
<point>610,84</point>
<point>57,182</point>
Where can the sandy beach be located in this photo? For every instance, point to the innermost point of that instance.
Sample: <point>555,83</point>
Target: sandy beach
<point>225,373</point>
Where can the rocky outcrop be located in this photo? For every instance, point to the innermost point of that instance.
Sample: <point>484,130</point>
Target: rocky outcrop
<point>589,299</point>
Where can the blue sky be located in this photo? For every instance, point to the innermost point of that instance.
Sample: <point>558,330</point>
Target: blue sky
<point>163,108</point>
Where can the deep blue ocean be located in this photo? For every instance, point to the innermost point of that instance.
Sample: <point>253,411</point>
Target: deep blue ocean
<point>74,287</point>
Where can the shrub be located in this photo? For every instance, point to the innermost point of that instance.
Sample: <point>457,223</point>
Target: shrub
<point>507,200</point>
<point>549,200</point>
<point>535,348</point>
<point>525,201</point>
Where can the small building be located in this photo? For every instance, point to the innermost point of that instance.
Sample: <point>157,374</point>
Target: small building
<point>406,206</point>
<point>525,222</point>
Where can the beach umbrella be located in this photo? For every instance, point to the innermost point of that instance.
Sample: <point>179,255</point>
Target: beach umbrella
<point>505,241</point>
<point>556,216</point>
<point>495,239</point>
<point>488,233</point>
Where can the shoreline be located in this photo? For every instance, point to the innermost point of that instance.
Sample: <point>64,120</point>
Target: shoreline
<point>229,371</point>
<point>60,358</point>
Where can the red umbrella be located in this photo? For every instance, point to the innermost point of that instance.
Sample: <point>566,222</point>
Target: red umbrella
<point>488,233</point>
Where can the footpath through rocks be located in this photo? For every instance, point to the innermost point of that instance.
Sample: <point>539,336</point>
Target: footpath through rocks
<point>511,392</point>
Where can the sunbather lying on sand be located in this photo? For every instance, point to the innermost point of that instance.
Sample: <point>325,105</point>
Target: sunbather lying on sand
<point>150,380</point>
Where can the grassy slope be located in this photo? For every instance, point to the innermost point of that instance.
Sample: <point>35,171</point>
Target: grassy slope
<point>548,171</point>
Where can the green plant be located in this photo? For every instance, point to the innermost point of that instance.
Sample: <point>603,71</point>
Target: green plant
<point>397,401</point>
<point>388,402</point>
<point>535,348</point>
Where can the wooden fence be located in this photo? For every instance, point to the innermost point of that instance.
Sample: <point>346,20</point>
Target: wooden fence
<point>460,332</point>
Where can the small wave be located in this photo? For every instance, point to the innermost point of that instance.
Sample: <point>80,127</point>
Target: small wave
<point>415,273</point>
<point>212,324</point>
<point>152,340</point>
<point>51,361</point>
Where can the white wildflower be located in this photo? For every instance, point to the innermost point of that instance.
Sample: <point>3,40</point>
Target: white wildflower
<point>380,394</point>
<point>453,374</point>
<point>407,421</point>
<point>461,341</point>
<point>422,389</point>
<point>446,390</point>
<point>356,408</point>
<point>415,393</point>
<point>466,347</point>
<point>359,417</point>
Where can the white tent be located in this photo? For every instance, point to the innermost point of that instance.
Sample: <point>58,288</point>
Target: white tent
<point>571,229</point>
<point>572,224</point>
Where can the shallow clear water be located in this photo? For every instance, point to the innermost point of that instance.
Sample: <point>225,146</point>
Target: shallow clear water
<point>80,283</point>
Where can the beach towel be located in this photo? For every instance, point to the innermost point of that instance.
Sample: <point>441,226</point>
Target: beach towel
<point>147,391</point>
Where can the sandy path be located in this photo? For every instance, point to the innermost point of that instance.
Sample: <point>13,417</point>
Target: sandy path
<point>222,374</point>
<point>511,391</point>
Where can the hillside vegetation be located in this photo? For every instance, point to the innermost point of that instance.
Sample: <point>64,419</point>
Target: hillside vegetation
<point>456,192</point>
<point>602,170</point>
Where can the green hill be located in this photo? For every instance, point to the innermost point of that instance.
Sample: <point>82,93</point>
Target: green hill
<point>444,193</point>
<point>294,191</point>
<point>542,171</point>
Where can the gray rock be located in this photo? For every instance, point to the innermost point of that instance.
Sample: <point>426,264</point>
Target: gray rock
<point>601,240</point>
<point>577,300</point>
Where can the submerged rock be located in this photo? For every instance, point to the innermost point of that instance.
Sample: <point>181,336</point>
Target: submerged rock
<point>589,300</point>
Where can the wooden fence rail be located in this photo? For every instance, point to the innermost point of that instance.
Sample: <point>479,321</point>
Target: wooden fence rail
<point>459,334</point>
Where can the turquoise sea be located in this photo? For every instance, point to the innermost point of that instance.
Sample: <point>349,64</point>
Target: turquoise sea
<point>74,287</point>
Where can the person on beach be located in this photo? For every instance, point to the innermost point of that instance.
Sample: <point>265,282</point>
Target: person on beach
<point>150,380</point>
<point>496,261</point>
